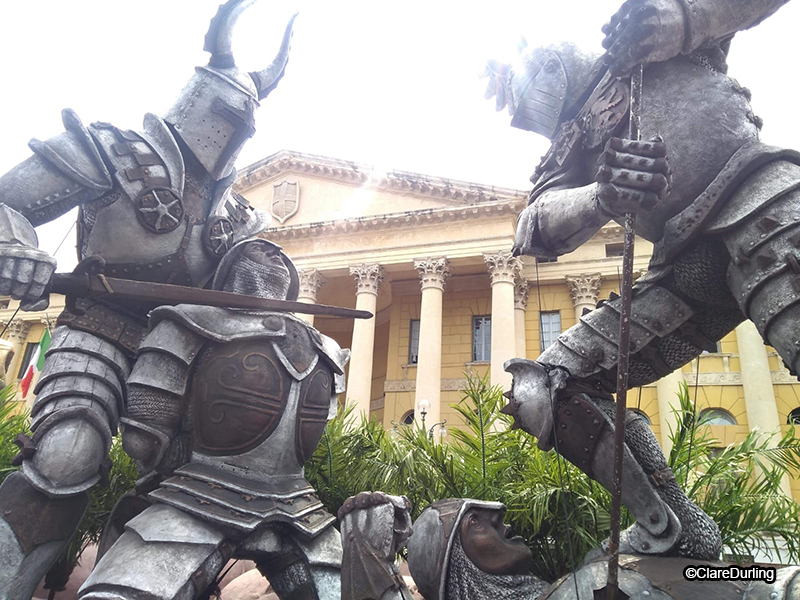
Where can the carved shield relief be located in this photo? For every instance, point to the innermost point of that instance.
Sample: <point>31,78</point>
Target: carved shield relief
<point>239,396</point>
<point>285,199</point>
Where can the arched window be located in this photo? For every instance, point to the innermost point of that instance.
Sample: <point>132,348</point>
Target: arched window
<point>642,414</point>
<point>716,416</point>
<point>408,418</point>
<point>794,417</point>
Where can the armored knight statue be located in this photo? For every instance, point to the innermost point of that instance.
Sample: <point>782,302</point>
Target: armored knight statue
<point>375,527</point>
<point>720,207</point>
<point>228,404</point>
<point>460,549</point>
<point>157,205</point>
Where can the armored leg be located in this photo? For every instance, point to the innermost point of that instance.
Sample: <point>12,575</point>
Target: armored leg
<point>305,569</point>
<point>175,557</point>
<point>79,398</point>
<point>764,273</point>
<point>675,316</point>
<point>34,529</point>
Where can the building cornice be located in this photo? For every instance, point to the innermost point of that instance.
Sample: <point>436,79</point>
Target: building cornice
<point>428,216</point>
<point>447,190</point>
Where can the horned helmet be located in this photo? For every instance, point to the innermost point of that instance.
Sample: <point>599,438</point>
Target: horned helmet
<point>541,88</point>
<point>214,114</point>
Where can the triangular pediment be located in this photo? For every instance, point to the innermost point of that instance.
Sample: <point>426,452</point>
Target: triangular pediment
<point>303,188</point>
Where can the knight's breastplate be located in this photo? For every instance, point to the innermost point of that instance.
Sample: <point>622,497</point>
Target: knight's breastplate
<point>261,403</point>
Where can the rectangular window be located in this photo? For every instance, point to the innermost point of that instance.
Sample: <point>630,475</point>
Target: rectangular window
<point>546,259</point>
<point>30,348</point>
<point>413,341</point>
<point>481,339</point>
<point>550,327</point>
<point>614,250</point>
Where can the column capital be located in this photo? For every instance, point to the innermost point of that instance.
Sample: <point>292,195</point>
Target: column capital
<point>521,290</point>
<point>584,288</point>
<point>17,331</point>
<point>503,267</point>
<point>311,280</point>
<point>368,277</point>
<point>432,272</point>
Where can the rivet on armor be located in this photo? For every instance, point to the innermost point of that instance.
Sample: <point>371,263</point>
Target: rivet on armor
<point>645,546</point>
<point>576,401</point>
<point>563,426</point>
<point>595,422</point>
<point>568,412</point>
<point>591,437</point>
<point>585,449</point>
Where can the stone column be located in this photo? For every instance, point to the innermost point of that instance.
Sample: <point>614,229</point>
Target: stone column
<point>503,270</point>
<point>584,290</point>
<point>16,334</point>
<point>521,290</point>
<point>667,389</point>
<point>311,280</point>
<point>359,383</point>
<point>432,272</point>
<point>759,396</point>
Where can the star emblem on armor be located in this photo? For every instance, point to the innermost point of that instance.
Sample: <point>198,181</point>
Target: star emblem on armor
<point>160,211</point>
<point>218,235</point>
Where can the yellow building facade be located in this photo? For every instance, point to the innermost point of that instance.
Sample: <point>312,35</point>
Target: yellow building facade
<point>430,258</point>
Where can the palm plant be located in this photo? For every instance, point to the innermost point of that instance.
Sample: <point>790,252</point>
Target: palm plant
<point>739,486</point>
<point>12,423</point>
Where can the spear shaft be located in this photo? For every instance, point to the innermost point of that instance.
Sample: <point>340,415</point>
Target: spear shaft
<point>634,133</point>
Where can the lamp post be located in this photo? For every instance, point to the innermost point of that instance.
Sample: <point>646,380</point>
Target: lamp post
<point>442,430</point>
<point>423,406</point>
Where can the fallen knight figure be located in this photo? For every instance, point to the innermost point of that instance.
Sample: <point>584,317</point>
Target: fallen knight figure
<point>722,209</point>
<point>225,406</point>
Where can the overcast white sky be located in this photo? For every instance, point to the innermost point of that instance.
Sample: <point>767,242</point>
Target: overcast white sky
<point>390,84</point>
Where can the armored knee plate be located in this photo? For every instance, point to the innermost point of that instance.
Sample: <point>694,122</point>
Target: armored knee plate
<point>174,556</point>
<point>80,396</point>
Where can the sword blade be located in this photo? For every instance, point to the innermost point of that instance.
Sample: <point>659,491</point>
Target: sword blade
<point>166,293</point>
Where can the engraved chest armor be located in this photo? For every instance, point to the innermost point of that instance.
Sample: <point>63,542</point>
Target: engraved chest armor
<point>261,402</point>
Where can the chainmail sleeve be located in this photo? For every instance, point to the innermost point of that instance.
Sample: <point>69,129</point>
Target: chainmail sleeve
<point>156,393</point>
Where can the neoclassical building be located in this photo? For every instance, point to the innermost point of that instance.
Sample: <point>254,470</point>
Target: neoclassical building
<point>430,258</point>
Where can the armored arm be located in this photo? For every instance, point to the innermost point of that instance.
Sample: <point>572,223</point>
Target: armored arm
<point>647,31</point>
<point>156,390</point>
<point>64,172</point>
<point>632,177</point>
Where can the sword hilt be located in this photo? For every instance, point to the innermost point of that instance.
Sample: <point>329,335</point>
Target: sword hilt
<point>78,284</point>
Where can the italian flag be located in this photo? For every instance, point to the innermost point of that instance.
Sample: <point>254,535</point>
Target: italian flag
<point>36,364</point>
